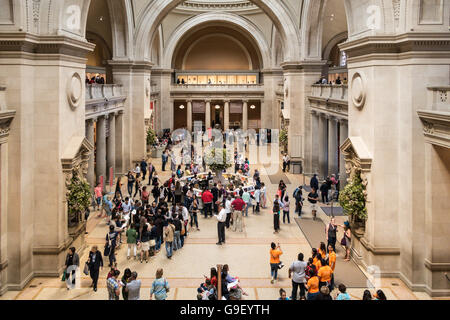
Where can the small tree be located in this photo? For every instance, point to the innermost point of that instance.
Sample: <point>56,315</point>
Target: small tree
<point>78,199</point>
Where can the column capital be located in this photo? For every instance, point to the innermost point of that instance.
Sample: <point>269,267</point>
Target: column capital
<point>245,100</point>
<point>226,100</point>
<point>208,100</point>
<point>189,100</point>
<point>93,120</point>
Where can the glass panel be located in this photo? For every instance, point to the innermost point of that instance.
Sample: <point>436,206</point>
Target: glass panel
<point>202,79</point>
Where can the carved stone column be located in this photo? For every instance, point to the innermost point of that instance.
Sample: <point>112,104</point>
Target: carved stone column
<point>207,114</point>
<point>245,115</point>
<point>323,146</point>
<point>332,146</point>
<point>111,145</point>
<point>100,168</point>
<point>315,142</point>
<point>119,143</point>
<point>189,115</point>
<point>91,163</point>
<point>226,115</point>
<point>343,135</point>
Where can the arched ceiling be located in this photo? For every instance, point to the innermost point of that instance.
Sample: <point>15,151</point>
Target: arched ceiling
<point>241,42</point>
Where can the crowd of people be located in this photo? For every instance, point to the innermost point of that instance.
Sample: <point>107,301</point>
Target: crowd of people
<point>155,213</point>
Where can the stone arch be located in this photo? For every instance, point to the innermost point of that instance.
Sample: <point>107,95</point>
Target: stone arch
<point>155,12</point>
<point>245,26</point>
<point>120,12</point>
<point>332,43</point>
<point>364,18</point>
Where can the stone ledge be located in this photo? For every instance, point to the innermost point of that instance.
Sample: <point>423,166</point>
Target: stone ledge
<point>437,266</point>
<point>436,127</point>
<point>391,251</point>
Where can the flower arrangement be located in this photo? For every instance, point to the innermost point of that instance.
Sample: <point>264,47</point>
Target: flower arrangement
<point>352,198</point>
<point>151,137</point>
<point>218,159</point>
<point>284,138</point>
<point>78,198</point>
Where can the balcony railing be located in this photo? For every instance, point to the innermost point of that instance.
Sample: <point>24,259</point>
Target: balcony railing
<point>338,93</point>
<point>217,88</point>
<point>103,91</point>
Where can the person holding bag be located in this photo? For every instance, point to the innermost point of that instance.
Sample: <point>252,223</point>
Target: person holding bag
<point>160,286</point>
<point>94,263</point>
<point>275,263</point>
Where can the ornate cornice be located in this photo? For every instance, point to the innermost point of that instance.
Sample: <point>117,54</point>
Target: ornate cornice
<point>222,5</point>
<point>408,43</point>
<point>44,45</point>
<point>436,127</point>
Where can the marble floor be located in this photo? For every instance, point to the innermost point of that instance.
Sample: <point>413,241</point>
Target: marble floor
<point>246,253</point>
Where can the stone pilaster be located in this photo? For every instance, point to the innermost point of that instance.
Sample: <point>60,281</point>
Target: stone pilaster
<point>332,146</point>
<point>322,146</point>
<point>315,142</point>
<point>343,135</point>
<point>119,144</point>
<point>226,115</point>
<point>100,169</point>
<point>111,146</point>
<point>245,115</point>
<point>91,164</point>
<point>207,114</point>
<point>189,115</point>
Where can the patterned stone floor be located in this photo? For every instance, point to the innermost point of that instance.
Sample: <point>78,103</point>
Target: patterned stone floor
<point>246,253</point>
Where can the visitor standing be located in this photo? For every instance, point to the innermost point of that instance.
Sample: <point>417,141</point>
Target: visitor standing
<point>113,286</point>
<point>72,265</point>
<point>275,263</point>
<point>313,197</point>
<point>286,204</point>
<point>160,286</point>
<point>277,206</point>
<point>95,262</point>
<point>133,287</point>
<point>297,274</point>
<point>238,205</point>
<point>331,234</point>
<point>169,232</point>
<point>221,217</point>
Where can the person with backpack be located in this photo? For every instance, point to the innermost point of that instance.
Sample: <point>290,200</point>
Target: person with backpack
<point>313,197</point>
<point>277,206</point>
<point>298,196</point>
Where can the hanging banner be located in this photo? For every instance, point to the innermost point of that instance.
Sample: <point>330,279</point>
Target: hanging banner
<point>111,177</point>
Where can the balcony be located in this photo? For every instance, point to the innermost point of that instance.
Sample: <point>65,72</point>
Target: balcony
<point>331,93</point>
<point>102,99</point>
<point>329,99</point>
<point>220,91</point>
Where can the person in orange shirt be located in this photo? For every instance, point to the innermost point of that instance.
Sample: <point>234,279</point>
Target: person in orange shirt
<point>322,250</point>
<point>325,273</point>
<point>313,284</point>
<point>317,261</point>
<point>275,263</point>
<point>332,264</point>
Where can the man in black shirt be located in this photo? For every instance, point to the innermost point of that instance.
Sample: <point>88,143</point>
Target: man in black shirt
<point>313,197</point>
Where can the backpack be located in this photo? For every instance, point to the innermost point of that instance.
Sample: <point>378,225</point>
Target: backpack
<point>276,206</point>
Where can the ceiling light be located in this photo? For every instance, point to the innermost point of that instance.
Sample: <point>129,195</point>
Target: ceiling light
<point>252,106</point>
<point>217,107</point>
<point>101,18</point>
<point>181,107</point>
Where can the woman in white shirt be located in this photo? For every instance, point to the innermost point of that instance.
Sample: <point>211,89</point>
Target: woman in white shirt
<point>286,204</point>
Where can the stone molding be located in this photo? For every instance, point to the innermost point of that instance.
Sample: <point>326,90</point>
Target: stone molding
<point>412,43</point>
<point>131,66</point>
<point>6,117</point>
<point>388,251</point>
<point>303,66</point>
<point>436,127</point>
<point>437,266</point>
<point>44,45</point>
<point>3,265</point>
<point>193,5</point>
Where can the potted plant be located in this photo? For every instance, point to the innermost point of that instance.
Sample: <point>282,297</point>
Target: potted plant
<point>284,139</point>
<point>151,142</point>
<point>352,199</point>
<point>218,160</point>
<point>78,199</point>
